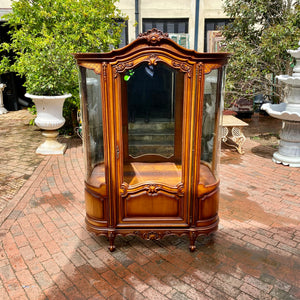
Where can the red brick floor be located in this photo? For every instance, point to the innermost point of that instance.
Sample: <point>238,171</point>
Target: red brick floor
<point>46,253</point>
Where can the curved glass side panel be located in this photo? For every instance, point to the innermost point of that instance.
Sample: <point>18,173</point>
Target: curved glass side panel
<point>210,110</point>
<point>91,106</point>
<point>217,154</point>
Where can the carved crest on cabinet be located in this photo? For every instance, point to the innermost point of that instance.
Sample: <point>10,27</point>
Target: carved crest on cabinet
<point>153,36</point>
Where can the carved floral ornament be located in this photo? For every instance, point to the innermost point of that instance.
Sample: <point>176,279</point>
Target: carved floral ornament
<point>121,67</point>
<point>152,60</point>
<point>153,36</point>
<point>152,189</point>
<point>152,235</point>
<point>183,67</point>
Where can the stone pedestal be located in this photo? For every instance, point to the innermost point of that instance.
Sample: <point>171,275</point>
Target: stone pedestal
<point>51,145</point>
<point>289,147</point>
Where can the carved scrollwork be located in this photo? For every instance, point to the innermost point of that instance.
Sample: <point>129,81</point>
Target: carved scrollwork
<point>152,59</point>
<point>121,67</point>
<point>200,71</point>
<point>153,236</point>
<point>180,189</point>
<point>124,189</point>
<point>183,67</point>
<point>153,36</point>
<point>152,189</point>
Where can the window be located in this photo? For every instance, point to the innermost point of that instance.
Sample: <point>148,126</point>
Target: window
<point>176,28</point>
<point>212,36</point>
<point>167,25</point>
<point>124,35</point>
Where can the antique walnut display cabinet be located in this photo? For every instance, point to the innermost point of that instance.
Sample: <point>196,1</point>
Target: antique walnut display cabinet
<point>151,116</point>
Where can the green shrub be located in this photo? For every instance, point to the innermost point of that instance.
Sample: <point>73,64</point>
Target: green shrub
<point>44,34</point>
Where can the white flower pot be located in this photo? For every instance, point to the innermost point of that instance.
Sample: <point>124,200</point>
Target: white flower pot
<point>50,118</point>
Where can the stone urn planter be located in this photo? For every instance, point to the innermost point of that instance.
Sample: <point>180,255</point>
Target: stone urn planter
<point>50,119</point>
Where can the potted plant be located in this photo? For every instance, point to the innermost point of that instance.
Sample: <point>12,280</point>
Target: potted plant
<point>44,34</point>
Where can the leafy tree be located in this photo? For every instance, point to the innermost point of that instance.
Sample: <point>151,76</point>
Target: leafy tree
<point>45,33</point>
<point>258,37</point>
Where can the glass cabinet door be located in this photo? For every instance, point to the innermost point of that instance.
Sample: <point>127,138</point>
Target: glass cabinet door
<point>152,124</point>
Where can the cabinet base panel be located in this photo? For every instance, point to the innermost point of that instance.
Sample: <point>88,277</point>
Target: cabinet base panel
<point>155,233</point>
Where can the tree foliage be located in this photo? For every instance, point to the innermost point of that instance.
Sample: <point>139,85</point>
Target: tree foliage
<point>260,33</point>
<point>44,34</point>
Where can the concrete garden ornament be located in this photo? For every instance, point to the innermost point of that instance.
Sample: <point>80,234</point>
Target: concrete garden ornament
<point>289,113</point>
<point>50,119</point>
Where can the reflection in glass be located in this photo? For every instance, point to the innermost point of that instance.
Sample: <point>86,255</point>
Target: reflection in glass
<point>152,120</point>
<point>151,104</point>
<point>209,116</point>
<point>94,136</point>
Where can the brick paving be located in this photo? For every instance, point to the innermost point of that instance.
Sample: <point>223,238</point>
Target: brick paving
<point>46,252</point>
<point>18,142</point>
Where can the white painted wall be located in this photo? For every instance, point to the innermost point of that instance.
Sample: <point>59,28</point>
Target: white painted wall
<point>5,7</point>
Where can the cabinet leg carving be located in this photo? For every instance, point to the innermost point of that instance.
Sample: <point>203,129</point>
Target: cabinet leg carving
<point>111,239</point>
<point>193,237</point>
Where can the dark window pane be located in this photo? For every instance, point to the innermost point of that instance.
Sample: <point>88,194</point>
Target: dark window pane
<point>167,25</point>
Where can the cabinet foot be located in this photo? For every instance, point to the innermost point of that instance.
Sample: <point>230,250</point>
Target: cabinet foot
<point>192,248</point>
<point>112,248</point>
<point>111,239</point>
<point>193,237</point>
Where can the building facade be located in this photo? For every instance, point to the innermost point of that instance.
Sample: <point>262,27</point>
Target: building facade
<point>192,23</point>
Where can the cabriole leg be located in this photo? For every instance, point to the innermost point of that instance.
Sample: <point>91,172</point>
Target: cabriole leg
<point>193,237</point>
<point>111,239</point>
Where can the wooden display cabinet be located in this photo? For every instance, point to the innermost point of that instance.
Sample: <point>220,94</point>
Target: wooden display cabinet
<point>151,118</point>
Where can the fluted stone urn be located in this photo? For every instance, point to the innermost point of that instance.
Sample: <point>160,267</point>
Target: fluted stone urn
<point>50,119</point>
<point>289,112</point>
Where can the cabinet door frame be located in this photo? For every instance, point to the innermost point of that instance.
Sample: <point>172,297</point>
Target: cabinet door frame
<point>183,190</point>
